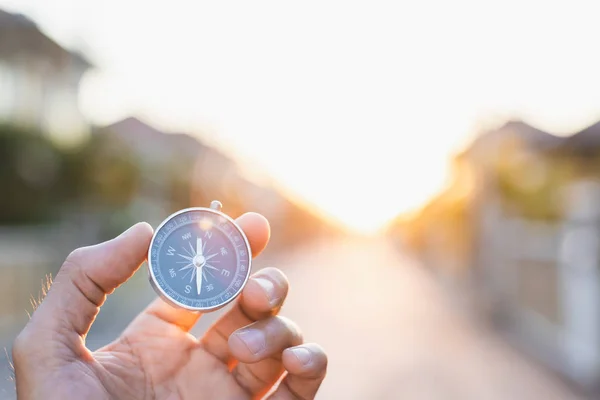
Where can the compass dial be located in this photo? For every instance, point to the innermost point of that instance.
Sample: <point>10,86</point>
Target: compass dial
<point>199,259</point>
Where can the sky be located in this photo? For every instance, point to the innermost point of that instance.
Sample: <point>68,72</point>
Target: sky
<point>357,106</point>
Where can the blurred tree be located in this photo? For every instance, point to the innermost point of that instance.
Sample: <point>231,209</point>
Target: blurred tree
<point>110,175</point>
<point>120,176</point>
<point>39,181</point>
<point>31,168</point>
<point>180,187</point>
<point>530,182</point>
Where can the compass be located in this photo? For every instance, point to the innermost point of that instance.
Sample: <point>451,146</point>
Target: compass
<point>199,259</point>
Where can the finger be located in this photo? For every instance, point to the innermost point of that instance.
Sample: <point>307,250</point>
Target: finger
<point>87,276</point>
<point>306,366</point>
<point>256,228</point>
<point>262,297</point>
<point>258,347</point>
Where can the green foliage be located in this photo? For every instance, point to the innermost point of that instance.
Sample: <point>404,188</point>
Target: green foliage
<point>39,181</point>
<point>110,173</point>
<point>31,169</point>
<point>532,188</point>
<point>116,179</point>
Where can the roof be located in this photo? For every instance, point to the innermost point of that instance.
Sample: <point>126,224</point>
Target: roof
<point>19,35</point>
<point>13,20</point>
<point>530,136</point>
<point>534,137</point>
<point>152,143</point>
<point>585,142</point>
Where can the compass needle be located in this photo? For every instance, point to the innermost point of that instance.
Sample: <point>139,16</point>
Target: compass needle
<point>199,247</point>
<point>199,280</point>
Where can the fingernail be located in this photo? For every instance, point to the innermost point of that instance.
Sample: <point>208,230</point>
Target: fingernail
<point>269,289</point>
<point>253,339</point>
<point>303,355</point>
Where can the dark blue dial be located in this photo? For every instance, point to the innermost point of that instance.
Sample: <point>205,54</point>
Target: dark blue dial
<point>199,259</point>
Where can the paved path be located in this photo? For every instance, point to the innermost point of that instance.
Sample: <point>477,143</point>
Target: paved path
<point>391,334</point>
<point>388,329</point>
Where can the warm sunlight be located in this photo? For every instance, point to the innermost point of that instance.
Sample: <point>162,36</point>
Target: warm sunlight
<point>359,120</point>
<point>428,171</point>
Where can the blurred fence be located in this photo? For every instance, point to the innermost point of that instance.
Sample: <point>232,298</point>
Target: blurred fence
<point>540,286</point>
<point>517,235</point>
<point>541,280</point>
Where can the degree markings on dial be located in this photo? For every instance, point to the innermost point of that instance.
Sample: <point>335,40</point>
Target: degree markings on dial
<point>208,273</point>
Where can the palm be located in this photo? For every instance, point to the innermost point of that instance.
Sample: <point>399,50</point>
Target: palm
<point>169,363</point>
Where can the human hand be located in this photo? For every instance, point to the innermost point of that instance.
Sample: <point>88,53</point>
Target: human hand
<point>242,356</point>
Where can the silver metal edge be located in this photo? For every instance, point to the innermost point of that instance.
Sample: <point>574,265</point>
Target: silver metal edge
<point>174,302</point>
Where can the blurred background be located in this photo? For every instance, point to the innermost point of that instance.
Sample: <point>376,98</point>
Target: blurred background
<point>430,171</point>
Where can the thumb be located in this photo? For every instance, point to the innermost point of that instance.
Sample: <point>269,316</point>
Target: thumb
<point>86,277</point>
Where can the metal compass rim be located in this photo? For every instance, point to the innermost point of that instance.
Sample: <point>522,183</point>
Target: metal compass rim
<point>160,291</point>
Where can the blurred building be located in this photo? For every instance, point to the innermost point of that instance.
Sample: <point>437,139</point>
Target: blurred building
<point>177,170</point>
<point>39,79</point>
<point>163,159</point>
<point>520,225</point>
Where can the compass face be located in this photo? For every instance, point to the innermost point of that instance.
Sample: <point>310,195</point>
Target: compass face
<point>199,259</point>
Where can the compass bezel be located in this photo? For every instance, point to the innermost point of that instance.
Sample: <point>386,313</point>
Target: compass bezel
<point>160,291</point>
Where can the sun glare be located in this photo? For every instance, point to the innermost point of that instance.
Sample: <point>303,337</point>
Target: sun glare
<point>364,183</point>
<point>360,112</point>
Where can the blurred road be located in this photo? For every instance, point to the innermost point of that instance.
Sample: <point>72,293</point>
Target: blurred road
<point>391,333</point>
<point>386,325</point>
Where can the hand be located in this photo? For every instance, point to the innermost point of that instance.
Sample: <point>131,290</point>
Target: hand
<point>242,356</point>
